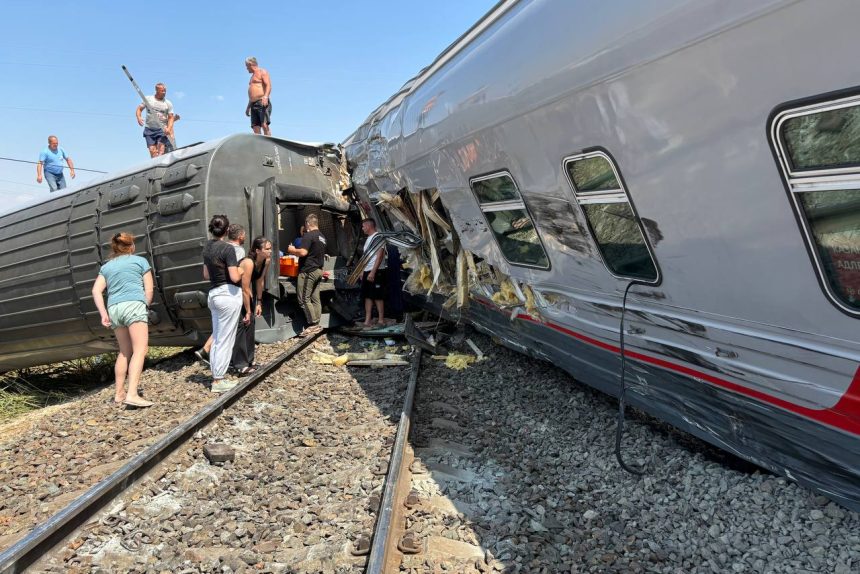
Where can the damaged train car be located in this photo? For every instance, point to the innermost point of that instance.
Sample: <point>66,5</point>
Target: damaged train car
<point>50,253</point>
<point>650,181</point>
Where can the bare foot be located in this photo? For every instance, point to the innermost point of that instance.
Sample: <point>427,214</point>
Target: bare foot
<point>119,399</point>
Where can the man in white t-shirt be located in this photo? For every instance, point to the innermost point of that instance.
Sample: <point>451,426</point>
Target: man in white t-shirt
<point>159,121</point>
<point>374,278</point>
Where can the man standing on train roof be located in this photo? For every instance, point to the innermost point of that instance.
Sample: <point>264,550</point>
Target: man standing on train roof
<point>312,258</point>
<point>259,104</point>
<point>159,120</point>
<point>51,159</point>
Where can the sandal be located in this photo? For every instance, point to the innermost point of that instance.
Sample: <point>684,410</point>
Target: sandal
<point>249,370</point>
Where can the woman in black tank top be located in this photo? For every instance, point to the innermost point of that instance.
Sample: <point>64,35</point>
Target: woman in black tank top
<point>254,268</point>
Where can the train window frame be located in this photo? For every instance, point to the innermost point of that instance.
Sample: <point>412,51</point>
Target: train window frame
<point>798,182</point>
<point>506,205</point>
<point>603,197</point>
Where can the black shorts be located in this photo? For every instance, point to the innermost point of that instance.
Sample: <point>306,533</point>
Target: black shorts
<point>261,116</point>
<point>374,290</point>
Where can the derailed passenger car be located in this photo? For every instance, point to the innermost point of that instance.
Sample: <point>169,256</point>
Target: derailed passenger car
<point>50,253</point>
<point>574,167</point>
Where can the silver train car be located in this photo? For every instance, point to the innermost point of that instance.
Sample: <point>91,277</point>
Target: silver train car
<point>50,253</point>
<point>689,168</point>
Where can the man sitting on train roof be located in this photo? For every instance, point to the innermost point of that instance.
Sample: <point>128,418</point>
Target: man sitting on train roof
<point>159,120</point>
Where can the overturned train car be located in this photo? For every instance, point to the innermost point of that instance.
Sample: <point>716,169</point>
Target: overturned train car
<point>574,168</point>
<point>50,253</point>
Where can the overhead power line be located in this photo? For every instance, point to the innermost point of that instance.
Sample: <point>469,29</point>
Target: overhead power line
<point>126,116</point>
<point>35,162</point>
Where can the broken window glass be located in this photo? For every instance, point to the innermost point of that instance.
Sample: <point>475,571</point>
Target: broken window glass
<point>510,221</point>
<point>593,174</point>
<point>823,140</point>
<point>500,188</point>
<point>517,237</point>
<point>613,223</point>
<point>620,240</point>
<point>834,218</point>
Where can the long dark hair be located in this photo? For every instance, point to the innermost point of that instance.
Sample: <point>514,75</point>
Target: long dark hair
<point>256,245</point>
<point>218,225</point>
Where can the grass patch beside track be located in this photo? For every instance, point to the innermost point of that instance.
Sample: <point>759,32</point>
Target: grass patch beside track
<point>26,390</point>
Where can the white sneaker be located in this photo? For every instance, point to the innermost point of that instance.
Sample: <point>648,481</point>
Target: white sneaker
<point>223,385</point>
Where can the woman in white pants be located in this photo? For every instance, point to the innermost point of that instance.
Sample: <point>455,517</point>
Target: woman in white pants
<point>225,300</point>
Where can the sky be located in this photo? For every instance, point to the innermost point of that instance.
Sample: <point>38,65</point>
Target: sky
<point>331,64</point>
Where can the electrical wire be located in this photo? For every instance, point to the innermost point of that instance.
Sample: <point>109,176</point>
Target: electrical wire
<point>619,426</point>
<point>35,162</point>
<point>105,115</point>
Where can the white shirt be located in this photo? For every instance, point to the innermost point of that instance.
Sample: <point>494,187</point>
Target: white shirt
<point>369,265</point>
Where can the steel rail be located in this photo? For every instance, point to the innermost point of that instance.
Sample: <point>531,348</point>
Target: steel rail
<point>54,530</point>
<point>381,545</point>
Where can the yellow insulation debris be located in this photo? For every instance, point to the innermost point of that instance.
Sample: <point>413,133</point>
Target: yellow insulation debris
<point>530,305</point>
<point>347,357</point>
<point>458,362</point>
<point>506,295</point>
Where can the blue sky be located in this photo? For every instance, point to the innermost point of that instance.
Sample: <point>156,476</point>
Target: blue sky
<point>331,64</point>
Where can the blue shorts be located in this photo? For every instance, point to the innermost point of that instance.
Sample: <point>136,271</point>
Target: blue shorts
<point>155,136</point>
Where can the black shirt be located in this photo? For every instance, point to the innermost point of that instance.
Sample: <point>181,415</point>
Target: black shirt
<point>314,242</point>
<point>218,256</point>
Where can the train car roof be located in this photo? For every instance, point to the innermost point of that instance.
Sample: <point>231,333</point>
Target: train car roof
<point>165,160</point>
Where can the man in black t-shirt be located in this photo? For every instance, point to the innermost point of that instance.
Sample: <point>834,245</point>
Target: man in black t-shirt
<point>311,258</point>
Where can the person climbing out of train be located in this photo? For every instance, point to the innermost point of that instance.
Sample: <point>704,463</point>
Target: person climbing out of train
<point>311,254</point>
<point>373,279</point>
<point>158,126</point>
<point>225,300</point>
<point>129,283</point>
<point>51,161</point>
<point>236,238</point>
<point>259,105</point>
<point>254,268</point>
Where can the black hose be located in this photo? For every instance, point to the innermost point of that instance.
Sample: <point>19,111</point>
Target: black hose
<point>619,427</point>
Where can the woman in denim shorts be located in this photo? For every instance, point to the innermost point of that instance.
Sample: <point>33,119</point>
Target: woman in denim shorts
<point>128,280</point>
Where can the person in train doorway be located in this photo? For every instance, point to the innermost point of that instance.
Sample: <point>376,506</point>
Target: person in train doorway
<point>236,238</point>
<point>221,268</point>
<point>311,260</point>
<point>51,161</point>
<point>158,126</point>
<point>254,268</point>
<point>259,105</point>
<point>373,278</point>
<point>129,283</point>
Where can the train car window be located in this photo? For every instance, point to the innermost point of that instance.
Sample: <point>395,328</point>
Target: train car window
<point>818,151</point>
<point>823,140</point>
<point>611,218</point>
<point>510,221</point>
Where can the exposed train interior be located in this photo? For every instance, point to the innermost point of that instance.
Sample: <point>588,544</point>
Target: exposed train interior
<point>341,230</point>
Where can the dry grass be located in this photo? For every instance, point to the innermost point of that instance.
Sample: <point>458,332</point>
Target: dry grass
<point>29,389</point>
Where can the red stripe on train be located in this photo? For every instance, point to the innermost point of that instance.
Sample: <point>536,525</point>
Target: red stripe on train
<point>844,415</point>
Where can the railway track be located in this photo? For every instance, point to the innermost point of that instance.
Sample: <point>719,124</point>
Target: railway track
<point>101,511</point>
<point>503,467</point>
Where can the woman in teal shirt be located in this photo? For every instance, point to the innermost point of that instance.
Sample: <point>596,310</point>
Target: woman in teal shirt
<point>128,280</point>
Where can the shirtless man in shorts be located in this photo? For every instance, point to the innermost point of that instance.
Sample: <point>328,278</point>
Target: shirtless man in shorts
<point>259,105</point>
